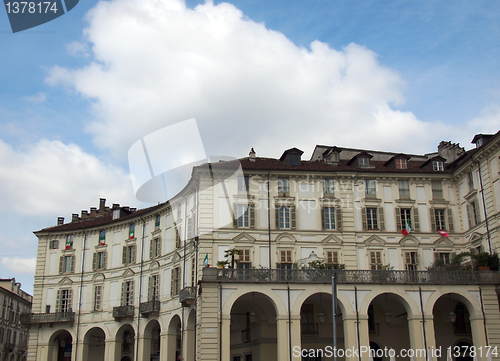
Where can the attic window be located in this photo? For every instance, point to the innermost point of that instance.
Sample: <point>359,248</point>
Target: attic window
<point>479,142</point>
<point>401,163</point>
<point>364,162</point>
<point>294,159</point>
<point>437,165</point>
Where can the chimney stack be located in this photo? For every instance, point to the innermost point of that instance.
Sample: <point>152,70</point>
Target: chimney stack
<point>60,220</point>
<point>102,204</point>
<point>74,217</point>
<point>251,155</point>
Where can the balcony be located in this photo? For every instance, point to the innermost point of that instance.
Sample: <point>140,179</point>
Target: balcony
<point>120,312</point>
<point>319,276</point>
<point>187,296</point>
<point>9,346</point>
<point>40,318</point>
<point>149,308</point>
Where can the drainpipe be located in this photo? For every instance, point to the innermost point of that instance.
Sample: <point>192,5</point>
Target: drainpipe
<point>269,214</point>
<point>484,205</point>
<point>423,320</point>
<point>81,294</point>
<point>289,325</point>
<point>220,322</point>
<point>357,318</point>
<point>140,289</point>
<point>484,316</point>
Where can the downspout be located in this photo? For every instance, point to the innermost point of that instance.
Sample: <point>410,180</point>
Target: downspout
<point>289,325</point>
<point>484,316</point>
<point>269,214</point>
<point>357,318</point>
<point>484,205</point>
<point>220,322</point>
<point>81,294</point>
<point>423,320</point>
<point>140,288</point>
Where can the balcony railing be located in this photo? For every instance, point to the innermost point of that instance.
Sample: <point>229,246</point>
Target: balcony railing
<point>187,296</point>
<point>123,312</point>
<point>352,276</point>
<point>57,317</point>
<point>149,308</point>
<point>9,346</point>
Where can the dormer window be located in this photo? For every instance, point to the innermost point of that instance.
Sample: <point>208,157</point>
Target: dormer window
<point>364,162</point>
<point>437,166</point>
<point>401,163</point>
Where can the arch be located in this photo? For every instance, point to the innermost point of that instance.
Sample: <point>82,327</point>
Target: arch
<point>61,345</point>
<point>464,296</point>
<point>125,345</point>
<point>151,336</point>
<point>342,302</point>
<point>190,336</point>
<point>409,303</point>
<point>235,294</point>
<point>286,237</point>
<point>174,338</point>
<point>94,343</point>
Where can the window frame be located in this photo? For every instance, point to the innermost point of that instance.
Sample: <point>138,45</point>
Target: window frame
<point>437,166</point>
<point>401,163</point>
<point>372,218</point>
<point>370,187</point>
<point>283,186</point>
<point>329,186</point>
<point>404,188</point>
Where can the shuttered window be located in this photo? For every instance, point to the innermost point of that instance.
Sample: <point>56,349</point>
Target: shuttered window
<point>328,218</point>
<point>128,256</point>
<point>411,261</point>
<point>128,293</point>
<point>63,302</point>
<point>155,247</point>
<point>175,281</point>
<point>154,287</point>
<point>375,260</point>
<point>286,259</point>
<point>332,257</point>
<point>99,261</point>
<point>67,264</point>
<point>286,217</point>
<point>98,298</point>
<point>404,189</point>
<point>244,259</point>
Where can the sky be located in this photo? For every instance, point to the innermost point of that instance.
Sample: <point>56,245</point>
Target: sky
<point>77,92</point>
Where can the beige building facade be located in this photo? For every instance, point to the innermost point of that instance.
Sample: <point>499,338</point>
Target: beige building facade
<point>124,284</point>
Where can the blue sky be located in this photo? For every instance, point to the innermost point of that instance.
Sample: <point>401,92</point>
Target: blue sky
<point>77,92</point>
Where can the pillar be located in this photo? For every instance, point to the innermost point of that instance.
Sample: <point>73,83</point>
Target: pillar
<point>282,338</point>
<point>225,342</point>
<point>350,335</point>
<point>364,338</point>
<point>478,335</point>
<point>415,332</point>
<point>110,350</point>
<point>296,337</point>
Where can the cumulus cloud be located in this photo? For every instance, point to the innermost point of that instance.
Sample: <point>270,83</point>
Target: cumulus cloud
<point>50,177</point>
<point>19,265</point>
<point>78,49</point>
<point>159,62</point>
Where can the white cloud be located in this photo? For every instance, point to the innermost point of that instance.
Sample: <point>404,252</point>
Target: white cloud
<point>39,97</point>
<point>50,178</point>
<point>78,49</point>
<point>19,265</point>
<point>159,62</point>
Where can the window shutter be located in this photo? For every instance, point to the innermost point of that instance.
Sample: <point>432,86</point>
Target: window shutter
<point>416,220</point>
<point>124,255</point>
<point>323,218</point>
<point>104,260</point>
<point>133,254</point>
<point>469,215</point>
<point>131,292</point>
<point>277,217</point>
<point>433,219</point>
<point>94,261</point>
<point>58,301</point>
<point>293,215</point>
<point>70,299</point>
<point>150,288</point>
<point>123,293</point>
<point>363,219</point>
<point>61,264</point>
<point>172,282</point>
<point>398,219</point>
<point>251,213</point>
<point>235,215</point>
<point>450,220</point>
<point>151,245</point>
<point>381,223</point>
<point>338,219</point>
<point>72,263</point>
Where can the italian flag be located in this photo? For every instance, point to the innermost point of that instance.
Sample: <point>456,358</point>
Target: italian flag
<point>443,233</point>
<point>131,234</point>
<point>68,244</point>
<point>407,230</point>
<point>205,261</point>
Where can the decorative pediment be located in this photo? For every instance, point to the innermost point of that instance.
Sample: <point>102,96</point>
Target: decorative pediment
<point>66,281</point>
<point>286,238</point>
<point>244,238</point>
<point>332,240</point>
<point>374,241</point>
<point>409,241</point>
<point>176,258</point>
<point>443,243</point>
<point>475,237</point>
<point>128,273</point>
<point>98,277</point>
<point>154,265</point>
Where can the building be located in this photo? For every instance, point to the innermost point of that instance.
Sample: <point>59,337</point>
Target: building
<point>124,284</point>
<point>13,336</point>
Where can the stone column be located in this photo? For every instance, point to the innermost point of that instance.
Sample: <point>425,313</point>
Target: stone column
<point>296,339</point>
<point>478,335</point>
<point>282,338</point>
<point>225,342</point>
<point>112,350</point>
<point>364,337</point>
<point>415,332</point>
<point>350,336</point>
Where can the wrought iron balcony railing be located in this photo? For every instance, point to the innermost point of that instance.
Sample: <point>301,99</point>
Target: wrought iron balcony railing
<point>187,296</point>
<point>352,276</point>
<point>57,317</point>
<point>123,312</point>
<point>9,346</point>
<point>149,308</point>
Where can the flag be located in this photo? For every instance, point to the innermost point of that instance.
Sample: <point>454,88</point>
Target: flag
<point>205,261</point>
<point>407,230</point>
<point>443,233</point>
<point>69,243</point>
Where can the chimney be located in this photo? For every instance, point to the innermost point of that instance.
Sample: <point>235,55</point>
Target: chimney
<point>93,211</point>
<point>450,151</point>
<point>251,155</point>
<point>60,220</point>
<point>74,217</point>
<point>102,204</point>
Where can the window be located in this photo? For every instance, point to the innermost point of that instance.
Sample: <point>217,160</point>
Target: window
<point>439,219</point>
<point>437,165</point>
<point>69,241</point>
<point>329,218</point>
<point>243,219</point>
<point>332,257</point>
<point>375,260</point>
<point>472,213</point>
<point>401,163</point>
<point>67,264</point>
<point>437,189</point>
<point>193,272</point>
<point>177,238</point>
<point>284,218</point>
<point>244,259</point>
<point>404,189</point>
<point>286,259</point>
<point>98,298</point>
<point>470,180</point>
<point>364,162</point>
<point>154,288</point>
<point>54,244</point>
<point>155,248</point>
<point>411,261</point>
<point>64,300</point>
<point>157,222</point>
<point>444,257</point>
<point>405,217</point>
<point>131,231</point>
<point>99,261</point>
<point>329,186</point>
<point>128,256</point>
<point>102,237</point>
<point>128,293</point>
<point>243,182</point>
<point>283,186</point>
<point>371,218</point>
<point>175,284</point>
<point>370,187</point>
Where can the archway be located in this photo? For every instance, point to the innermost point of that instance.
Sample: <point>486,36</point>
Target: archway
<point>60,346</point>
<point>253,328</point>
<point>94,344</point>
<point>451,322</point>
<point>152,341</point>
<point>316,325</point>
<point>125,343</point>
<point>190,336</point>
<point>388,322</point>
<point>174,339</point>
